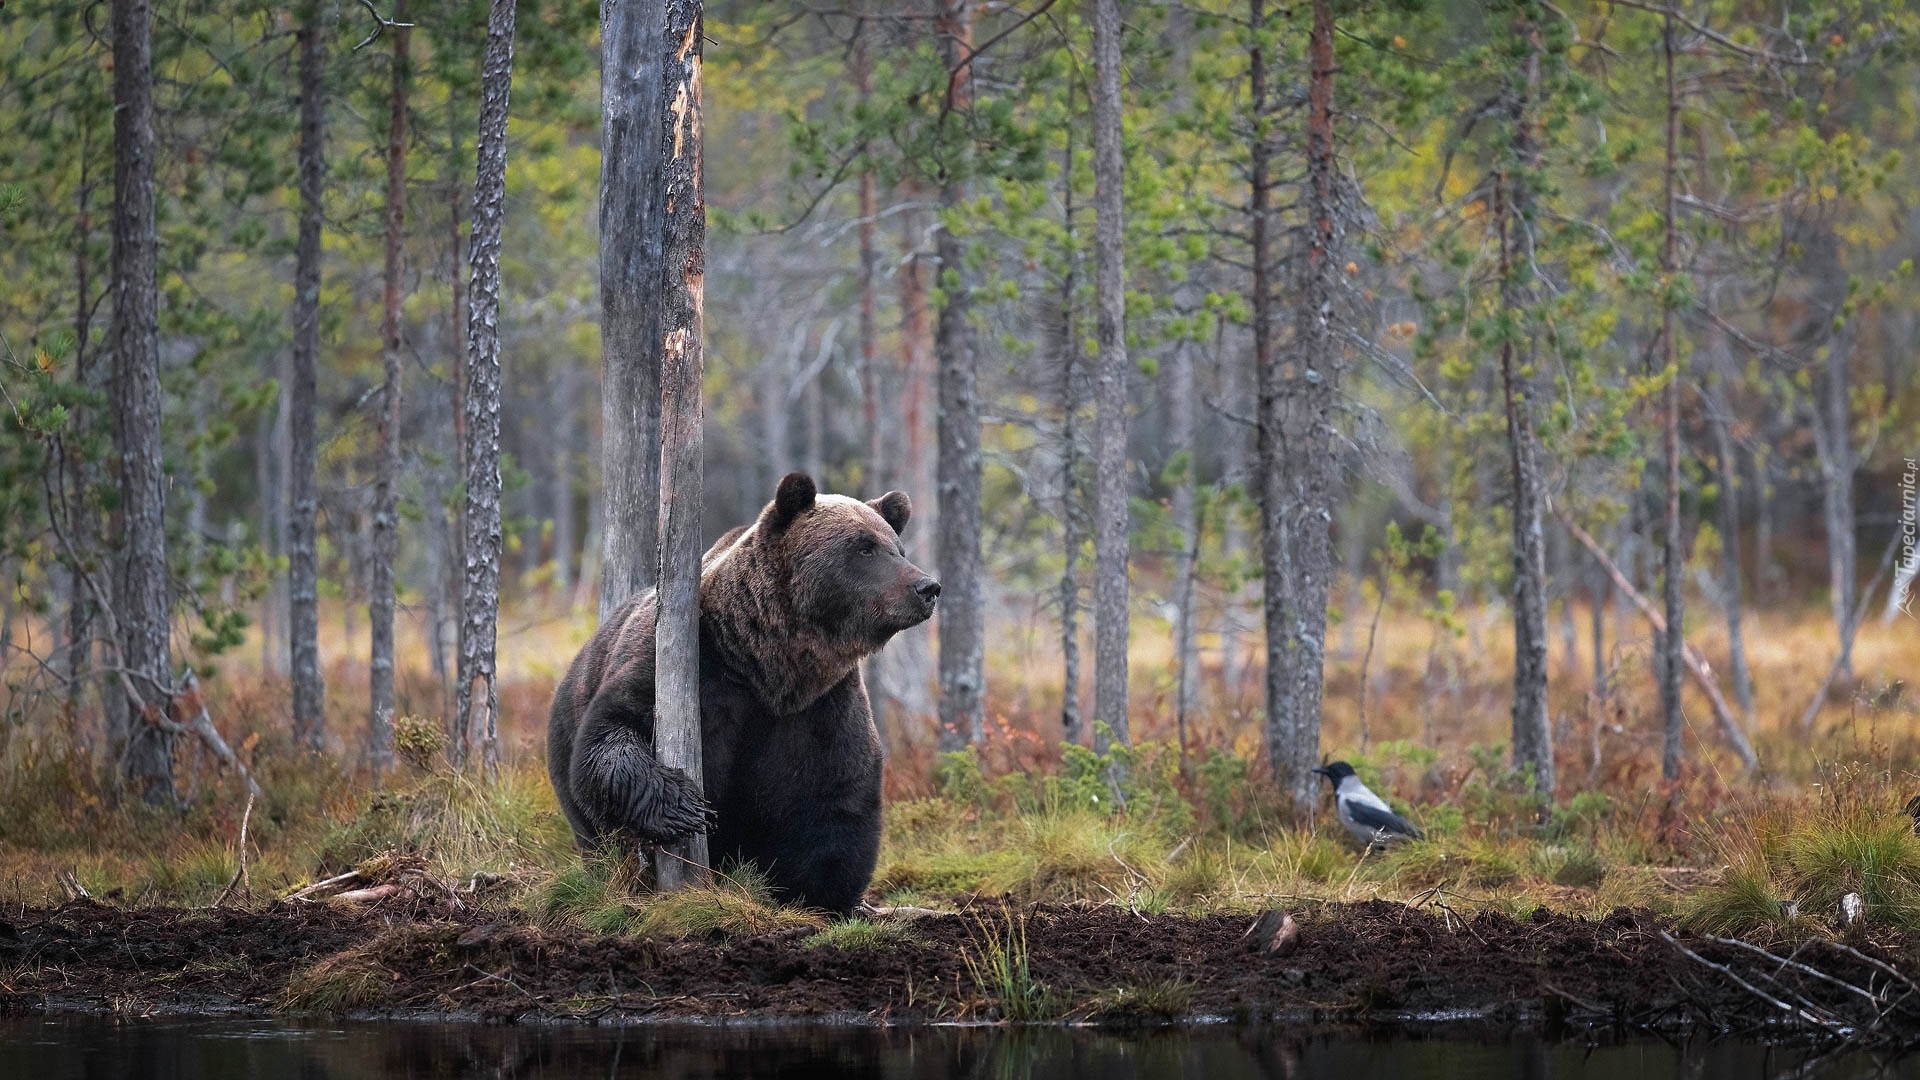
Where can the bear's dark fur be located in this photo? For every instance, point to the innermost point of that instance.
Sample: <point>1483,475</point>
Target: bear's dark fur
<point>789,606</point>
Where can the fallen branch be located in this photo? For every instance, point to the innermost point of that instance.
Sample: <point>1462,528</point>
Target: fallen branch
<point>1696,664</point>
<point>318,887</point>
<point>1823,1023</point>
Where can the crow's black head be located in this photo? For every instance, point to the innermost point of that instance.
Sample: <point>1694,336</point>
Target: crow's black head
<point>1335,771</point>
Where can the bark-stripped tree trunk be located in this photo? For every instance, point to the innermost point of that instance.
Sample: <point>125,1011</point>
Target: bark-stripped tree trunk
<point>478,707</point>
<point>682,213</point>
<point>303,499</point>
<point>962,618</point>
<point>1532,736</point>
<point>631,110</point>
<point>1110,532</point>
<point>142,598</point>
<point>1672,560</point>
<point>386,496</point>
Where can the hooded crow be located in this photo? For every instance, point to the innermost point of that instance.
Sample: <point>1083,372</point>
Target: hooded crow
<point>1366,815</point>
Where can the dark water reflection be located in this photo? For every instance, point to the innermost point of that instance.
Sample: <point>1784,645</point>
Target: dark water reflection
<point>59,1048</point>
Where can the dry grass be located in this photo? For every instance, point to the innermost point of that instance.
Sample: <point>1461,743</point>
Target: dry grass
<point>1201,833</point>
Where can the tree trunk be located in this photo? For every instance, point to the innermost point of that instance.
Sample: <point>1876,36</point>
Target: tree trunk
<point>873,466</point>
<point>565,543</point>
<point>1110,533</point>
<point>1673,560</point>
<point>1067,347</point>
<point>386,496</point>
<point>477,711</point>
<point>962,618</point>
<point>1295,421</point>
<point>455,584</point>
<point>1732,603</point>
<point>303,500</point>
<point>1186,533</point>
<point>1833,442</point>
<point>683,217</point>
<point>142,599</point>
<point>1532,736</point>
<point>82,525</point>
<point>910,657</point>
<point>631,109</point>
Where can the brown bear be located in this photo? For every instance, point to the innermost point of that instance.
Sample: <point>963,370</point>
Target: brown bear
<point>789,606</point>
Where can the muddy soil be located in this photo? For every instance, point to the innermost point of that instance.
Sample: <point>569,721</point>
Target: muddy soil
<point>1104,964</point>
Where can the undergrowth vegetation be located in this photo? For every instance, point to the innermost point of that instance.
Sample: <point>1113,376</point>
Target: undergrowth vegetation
<point>1146,827</point>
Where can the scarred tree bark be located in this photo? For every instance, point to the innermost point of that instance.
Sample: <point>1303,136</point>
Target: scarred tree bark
<point>478,707</point>
<point>1110,536</point>
<point>683,218</point>
<point>631,109</point>
<point>386,498</point>
<point>962,620</point>
<point>303,499</point>
<point>142,598</point>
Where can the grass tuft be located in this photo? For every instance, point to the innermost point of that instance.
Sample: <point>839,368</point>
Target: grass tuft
<point>862,935</point>
<point>997,961</point>
<point>339,983</point>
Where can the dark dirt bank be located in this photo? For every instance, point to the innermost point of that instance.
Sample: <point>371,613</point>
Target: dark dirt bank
<point>1376,961</point>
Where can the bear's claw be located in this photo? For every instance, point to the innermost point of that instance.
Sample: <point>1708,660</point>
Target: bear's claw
<point>675,811</point>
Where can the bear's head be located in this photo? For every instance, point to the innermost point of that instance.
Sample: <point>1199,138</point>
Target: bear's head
<point>839,563</point>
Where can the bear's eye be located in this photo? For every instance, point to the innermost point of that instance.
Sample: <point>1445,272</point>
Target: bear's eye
<point>869,548</point>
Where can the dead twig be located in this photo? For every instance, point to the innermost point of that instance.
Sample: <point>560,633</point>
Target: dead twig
<point>1824,1023</point>
<point>380,24</point>
<point>240,875</point>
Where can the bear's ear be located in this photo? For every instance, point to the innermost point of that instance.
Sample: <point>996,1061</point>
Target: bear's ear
<point>794,498</point>
<point>896,508</point>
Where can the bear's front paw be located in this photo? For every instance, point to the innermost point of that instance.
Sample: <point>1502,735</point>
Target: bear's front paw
<point>675,811</point>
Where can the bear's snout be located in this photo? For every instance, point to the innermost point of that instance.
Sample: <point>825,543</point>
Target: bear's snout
<point>928,590</point>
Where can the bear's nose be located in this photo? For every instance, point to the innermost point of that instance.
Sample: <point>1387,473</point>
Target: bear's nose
<point>928,589</point>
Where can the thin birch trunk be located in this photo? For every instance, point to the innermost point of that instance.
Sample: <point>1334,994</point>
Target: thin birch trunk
<point>478,707</point>
<point>386,496</point>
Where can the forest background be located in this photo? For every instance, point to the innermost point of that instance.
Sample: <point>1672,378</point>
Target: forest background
<point>1621,288</point>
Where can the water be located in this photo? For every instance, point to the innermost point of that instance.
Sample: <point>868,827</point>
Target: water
<point>163,1049</point>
